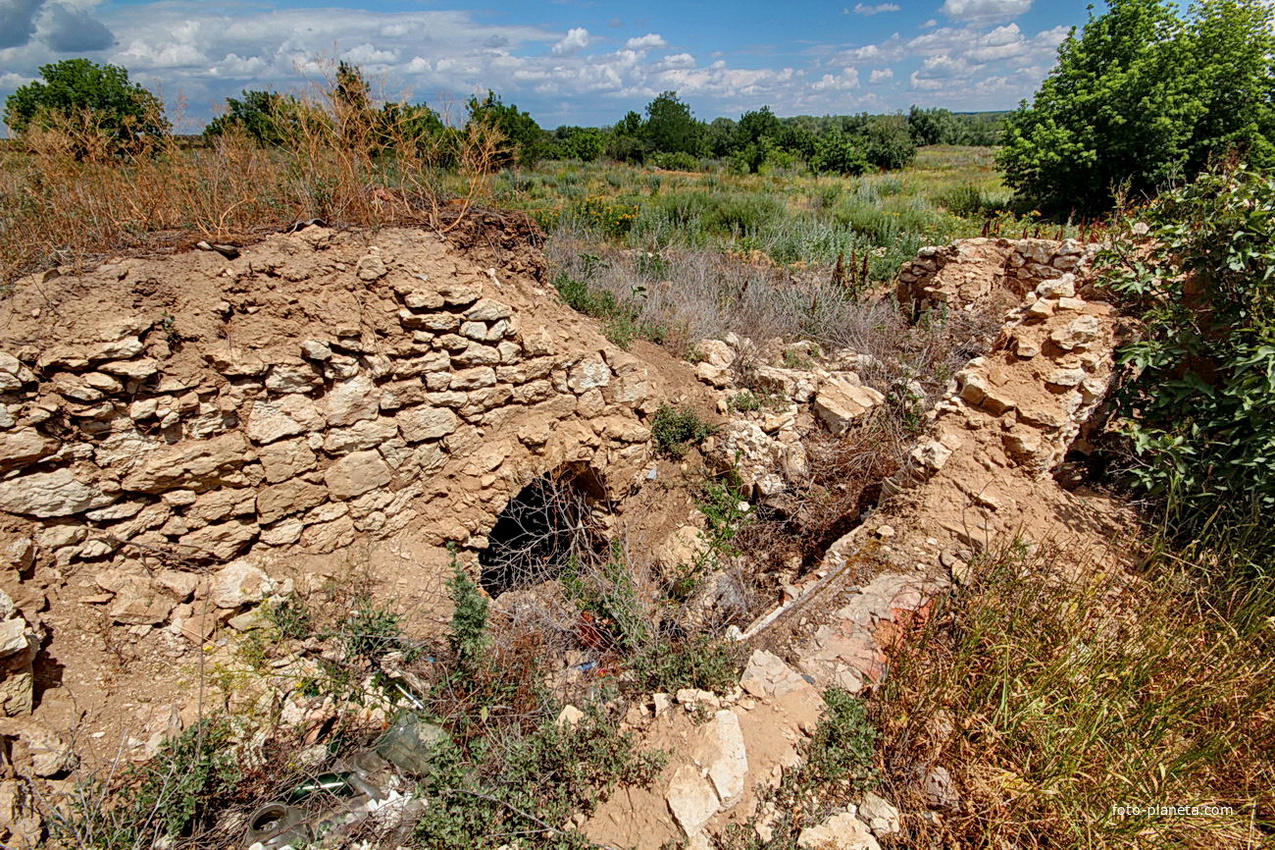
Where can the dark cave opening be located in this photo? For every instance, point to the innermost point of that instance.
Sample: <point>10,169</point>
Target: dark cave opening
<point>547,524</point>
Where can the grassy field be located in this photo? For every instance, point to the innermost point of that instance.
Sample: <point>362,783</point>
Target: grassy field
<point>790,216</point>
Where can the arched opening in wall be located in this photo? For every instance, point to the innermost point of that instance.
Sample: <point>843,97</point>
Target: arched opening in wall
<point>547,524</point>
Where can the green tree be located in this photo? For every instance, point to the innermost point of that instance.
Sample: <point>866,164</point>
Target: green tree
<point>720,135</point>
<point>410,124</point>
<point>583,143</point>
<point>524,141</point>
<point>670,127</point>
<point>933,126</point>
<point>268,117</point>
<point>80,93</point>
<point>887,144</point>
<point>838,153</point>
<point>1141,97</point>
<point>627,142</point>
<point>756,137</point>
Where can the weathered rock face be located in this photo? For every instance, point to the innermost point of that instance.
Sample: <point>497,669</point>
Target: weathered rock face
<point>318,390</point>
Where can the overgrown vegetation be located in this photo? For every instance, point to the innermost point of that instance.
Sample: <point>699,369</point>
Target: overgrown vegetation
<point>1198,402</point>
<point>69,192</point>
<point>177,794</point>
<point>1054,695</point>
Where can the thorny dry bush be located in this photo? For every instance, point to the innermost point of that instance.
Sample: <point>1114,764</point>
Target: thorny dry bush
<point>67,196</point>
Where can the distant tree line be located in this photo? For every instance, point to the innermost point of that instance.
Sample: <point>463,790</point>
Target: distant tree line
<point>665,134</point>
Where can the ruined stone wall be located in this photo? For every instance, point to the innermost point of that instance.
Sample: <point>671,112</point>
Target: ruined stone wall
<point>977,272</point>
<point>317,390</point>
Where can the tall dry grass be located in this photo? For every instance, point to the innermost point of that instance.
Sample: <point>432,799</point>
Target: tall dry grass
<point>1052,700</point>
<point>68,195</point>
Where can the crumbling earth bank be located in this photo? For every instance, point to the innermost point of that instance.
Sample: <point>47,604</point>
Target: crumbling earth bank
<point>182,437</point>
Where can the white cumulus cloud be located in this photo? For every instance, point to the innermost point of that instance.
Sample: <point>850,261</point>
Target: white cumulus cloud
<point>646,42</point>
<point>984,10</point>
<point>880,75</point>
<point>864,9</point>
<point>576,39</point>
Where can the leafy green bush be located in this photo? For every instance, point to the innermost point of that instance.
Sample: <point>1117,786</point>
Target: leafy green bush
<point>842,747</point>
<point>675,430</point>
<point>837,153</point>
<point>468,638</point>
<point>291,616</point>
<point>371,631</point>
<point>621,323</point>
<point>483,792</point>
<point>679,161</point>
<point>1199,400</point>
<point>966,200</point>
<point>701,661</point>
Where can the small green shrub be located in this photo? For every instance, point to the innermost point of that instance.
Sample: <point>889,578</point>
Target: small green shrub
<point>483,792</point>
<point>468,638</point>
<point>622,323</point>
<point>371,631</point>
<point>675,430</point>
<point>837,766</point>
<point>965,200</point>
<point>676,161</point>
<point>726,510</point>
<point>843,745</point>
<point>793,360</point>
<point>174,795</point>
<point>606,217</point>
<point>701,661</point>
<point>291,616</point>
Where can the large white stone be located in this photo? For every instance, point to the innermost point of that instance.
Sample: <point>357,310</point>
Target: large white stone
<point>240,583</point>
<point>768,676</point>
<point>839,403</point>
<point>839,832</point>
<point>728,766</point>
<point>691,799</point>
<point>590,373</point>
<point>50,494</point>
<point>880,816</point>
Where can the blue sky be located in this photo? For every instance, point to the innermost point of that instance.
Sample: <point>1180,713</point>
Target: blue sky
<point>565,61</point>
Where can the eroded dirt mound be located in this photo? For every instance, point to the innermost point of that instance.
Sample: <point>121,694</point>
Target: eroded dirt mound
<point>181,438</point>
